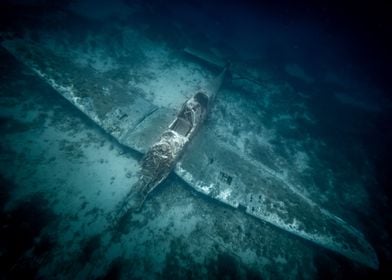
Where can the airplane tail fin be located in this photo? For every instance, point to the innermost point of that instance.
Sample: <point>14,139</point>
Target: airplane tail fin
<point>205,57</point>
<point>235,70</point>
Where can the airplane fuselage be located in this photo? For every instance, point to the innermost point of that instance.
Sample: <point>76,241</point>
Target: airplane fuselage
<point>163,155</point>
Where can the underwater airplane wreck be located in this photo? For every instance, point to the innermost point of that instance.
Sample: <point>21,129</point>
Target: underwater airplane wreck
<point>177,141</point>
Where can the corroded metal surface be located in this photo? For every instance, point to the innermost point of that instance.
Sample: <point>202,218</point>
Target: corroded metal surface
<point>163,155</point>
<point>215,169</point>
<point>109,104</point>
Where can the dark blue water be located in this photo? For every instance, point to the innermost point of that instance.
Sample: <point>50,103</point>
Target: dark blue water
<point>319,111</point>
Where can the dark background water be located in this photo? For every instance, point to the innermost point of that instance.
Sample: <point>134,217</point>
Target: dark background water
<point>347,38</point>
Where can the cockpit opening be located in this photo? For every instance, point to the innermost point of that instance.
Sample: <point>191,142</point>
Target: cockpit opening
<point>182,126</point>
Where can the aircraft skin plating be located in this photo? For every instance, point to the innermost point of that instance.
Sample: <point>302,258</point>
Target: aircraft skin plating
<point>163,155</point>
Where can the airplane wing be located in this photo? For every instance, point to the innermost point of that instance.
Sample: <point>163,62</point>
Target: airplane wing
<point>121,112</point>
<point>212,165</point>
